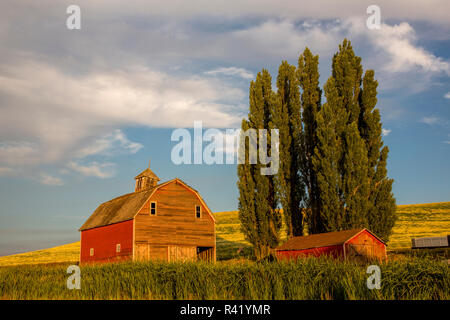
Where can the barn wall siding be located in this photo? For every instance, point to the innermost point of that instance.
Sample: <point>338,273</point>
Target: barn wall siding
<point>366,245</point>
<point>175,222</point>
<point>104,240</point>
<point>361,246</point>
<point>333,251</point>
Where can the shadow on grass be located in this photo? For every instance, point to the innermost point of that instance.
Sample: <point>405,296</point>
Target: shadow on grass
<point>227,249</point>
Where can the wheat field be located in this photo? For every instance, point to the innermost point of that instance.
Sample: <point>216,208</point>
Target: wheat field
<point>419,220</point>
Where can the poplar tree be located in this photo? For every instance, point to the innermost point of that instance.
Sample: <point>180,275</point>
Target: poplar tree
<point>308,75</point>
<point>347,72</point>
<point>381,211</point>
<point>355,182</point>
<point>286,118</point>
<point>332,158</point>
<point>356,165</point>
<point>260,220</point>
<point>326,160</point>
<point>247,199</point>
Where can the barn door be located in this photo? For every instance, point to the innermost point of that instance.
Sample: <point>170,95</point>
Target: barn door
<point>142,253</point>
<point>158,253</point>
<point>182,253</point>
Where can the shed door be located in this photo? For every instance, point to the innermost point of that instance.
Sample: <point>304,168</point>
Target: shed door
<point>141,251</point>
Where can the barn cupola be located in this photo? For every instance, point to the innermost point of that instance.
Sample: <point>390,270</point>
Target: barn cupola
<point>147,179</point>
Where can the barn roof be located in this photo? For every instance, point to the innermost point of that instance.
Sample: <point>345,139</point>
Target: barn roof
<point>118,209</point>
<point>127,206</point>
<point>322,240</point>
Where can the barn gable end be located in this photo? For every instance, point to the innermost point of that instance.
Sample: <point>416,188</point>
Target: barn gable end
<point>356,243</point>
<point>174,232</point>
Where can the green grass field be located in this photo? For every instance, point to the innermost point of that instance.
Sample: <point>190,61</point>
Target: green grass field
<point>413,221</point>
<point>309,278</point>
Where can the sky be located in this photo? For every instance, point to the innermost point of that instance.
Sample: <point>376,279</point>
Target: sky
<point>82,111</point>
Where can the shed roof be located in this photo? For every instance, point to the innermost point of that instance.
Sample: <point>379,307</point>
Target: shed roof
<point>127,206</point>
<point>322,240</point>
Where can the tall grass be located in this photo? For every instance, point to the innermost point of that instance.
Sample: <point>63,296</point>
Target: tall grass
<point>310,278</point>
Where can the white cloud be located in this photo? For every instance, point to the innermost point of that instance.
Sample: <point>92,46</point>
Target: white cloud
<point>433,11</point>
<point>18,153</point>
<point>431,120</point>
<point>93,169</point>
<point>231,71</point>
<point>284,39</point>
<point>434,120</point>
<point>49,180</point>
<point>447,95</point>
<point>385,132</point>
<point>112,143</point>
<point>135,96</point>
<point>76,116</point>
<point>398,43</point>
<point>399,40</point>
<point>63,103</point>
<point>447,142</point>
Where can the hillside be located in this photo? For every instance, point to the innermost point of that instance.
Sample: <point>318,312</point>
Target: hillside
<point>420,220</point>
<point>65,253</point>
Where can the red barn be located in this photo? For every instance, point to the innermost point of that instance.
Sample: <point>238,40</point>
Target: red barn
<point>356,243</point>
<point>168,221</point>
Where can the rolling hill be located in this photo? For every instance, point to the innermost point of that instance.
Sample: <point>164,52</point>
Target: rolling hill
<point>419,220</point>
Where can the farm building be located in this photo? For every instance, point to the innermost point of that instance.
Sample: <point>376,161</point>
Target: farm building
<point>167,221</point>
<point>356,243</point>
<point>431,242</point>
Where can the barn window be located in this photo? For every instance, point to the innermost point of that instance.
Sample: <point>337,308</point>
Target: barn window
<point>153,208</point>
<point>198,211</point>
<point>91,252</point>
<point>118,247</point>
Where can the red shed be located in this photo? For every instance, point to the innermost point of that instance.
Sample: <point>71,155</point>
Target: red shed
<point>356,243</point>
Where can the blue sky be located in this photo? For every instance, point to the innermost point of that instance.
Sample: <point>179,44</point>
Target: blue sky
<point>82,111</point>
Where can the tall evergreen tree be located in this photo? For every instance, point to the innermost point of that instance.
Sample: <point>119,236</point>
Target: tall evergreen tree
<point>286,118</point>
<point>308,75</point>
<point>358,157</point>
<point>336,154</point>
<point>340,162</point>
<point>257,202</point>
<point>347,72</point>
<point>381,211</point>
<point>247,202</point>
<point>355,181</point>
<point>326,160</point>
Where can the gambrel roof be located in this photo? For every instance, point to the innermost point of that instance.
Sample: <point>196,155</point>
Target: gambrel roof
<point>126,207</point>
